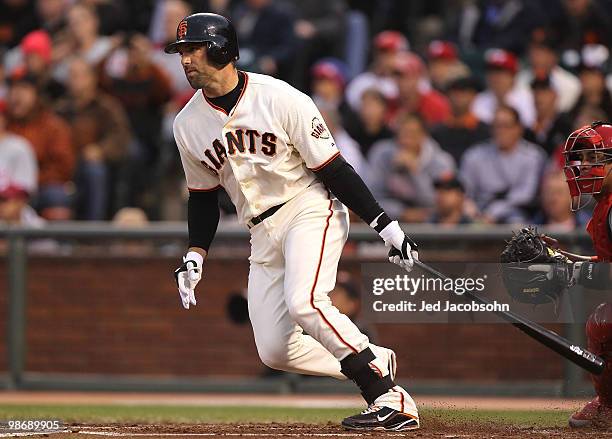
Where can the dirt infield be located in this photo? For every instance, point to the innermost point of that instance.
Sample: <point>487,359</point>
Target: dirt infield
<point>476,419</point>
<point>434,429</point>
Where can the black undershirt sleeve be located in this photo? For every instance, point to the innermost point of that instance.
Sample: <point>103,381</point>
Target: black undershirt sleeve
<point>342,180</point>
<point>202,218</point>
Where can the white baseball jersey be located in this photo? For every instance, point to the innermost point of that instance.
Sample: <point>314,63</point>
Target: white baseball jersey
<point>263,152</point>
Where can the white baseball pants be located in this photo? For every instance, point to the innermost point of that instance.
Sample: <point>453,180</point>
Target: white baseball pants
<point>293,265</point>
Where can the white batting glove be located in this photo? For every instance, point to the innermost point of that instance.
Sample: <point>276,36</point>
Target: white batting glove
<point>403,250</point>
<point>187,277</point>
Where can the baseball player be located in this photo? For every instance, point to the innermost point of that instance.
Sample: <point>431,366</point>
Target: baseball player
<point>588,166</point>
<point>267,145</point>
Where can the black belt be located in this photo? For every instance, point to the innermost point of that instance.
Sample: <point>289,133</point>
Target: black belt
<point>267,214</point>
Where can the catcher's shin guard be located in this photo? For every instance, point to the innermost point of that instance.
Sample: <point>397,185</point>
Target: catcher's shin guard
<point>599,341</point>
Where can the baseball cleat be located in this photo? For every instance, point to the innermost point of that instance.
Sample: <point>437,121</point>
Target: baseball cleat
<point>382,419</point>
<point>593,414</point>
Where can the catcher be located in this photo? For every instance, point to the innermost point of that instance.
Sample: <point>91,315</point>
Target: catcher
<point>538,271</point>
<point>588,162</point>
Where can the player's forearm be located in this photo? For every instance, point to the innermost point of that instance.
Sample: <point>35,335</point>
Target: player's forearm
<point>202,220</point>
<point>342,180</point>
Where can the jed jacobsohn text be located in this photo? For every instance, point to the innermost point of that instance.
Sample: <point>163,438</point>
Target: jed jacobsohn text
<point>442,305</point>
<point>412,285</point>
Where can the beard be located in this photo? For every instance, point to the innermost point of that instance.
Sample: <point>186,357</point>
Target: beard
<point>196,81</point>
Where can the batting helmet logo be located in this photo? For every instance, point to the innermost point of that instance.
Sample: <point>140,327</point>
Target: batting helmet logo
<point>181,31</point>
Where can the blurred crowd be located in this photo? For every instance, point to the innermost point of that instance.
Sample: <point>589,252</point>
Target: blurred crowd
<point>453,112</point>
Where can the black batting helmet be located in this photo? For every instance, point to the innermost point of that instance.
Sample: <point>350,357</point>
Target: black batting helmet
<point>215,30</point>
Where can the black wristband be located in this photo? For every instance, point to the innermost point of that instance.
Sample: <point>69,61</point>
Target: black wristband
<point>380,222</point>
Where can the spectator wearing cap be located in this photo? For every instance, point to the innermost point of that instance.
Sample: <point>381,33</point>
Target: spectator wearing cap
<point>50,137</point>
<point>463,129</point>
<point>550,127</point>
<point>267,40</point>
<point>592,69</point>
<point>432,106</point>
<point>403,170</point>
<point>544,61</point>
<point>369,124</point>
<point>36,49</point>
<point>502,176</point>
<point>101,134</point>
<point>444,64</point>
<point>450,206</point>
<point>81,38</point>
<point>327,86</point>
<point>387,45</point>
<point>502,88</point>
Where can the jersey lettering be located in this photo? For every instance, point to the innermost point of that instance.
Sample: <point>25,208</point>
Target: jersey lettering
<point>215,163</point>
<point>235,141</point>
<point>220,151</point>
<point>252,134</point>
<point>268,140</point>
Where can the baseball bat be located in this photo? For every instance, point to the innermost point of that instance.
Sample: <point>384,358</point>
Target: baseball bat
<point>576,354</point>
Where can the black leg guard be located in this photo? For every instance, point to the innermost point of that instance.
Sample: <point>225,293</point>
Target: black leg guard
<point>356,368</point>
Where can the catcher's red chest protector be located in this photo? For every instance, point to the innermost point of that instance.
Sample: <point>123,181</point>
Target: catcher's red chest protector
<point>599,229</point>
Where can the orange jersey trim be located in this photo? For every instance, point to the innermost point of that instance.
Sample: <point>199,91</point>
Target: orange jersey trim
<point>216,107</point>
<point>246,83</point>
<point>191,189</point>
<point>325,163</point>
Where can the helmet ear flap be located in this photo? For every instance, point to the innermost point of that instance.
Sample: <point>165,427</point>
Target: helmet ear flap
<point>218,52</point>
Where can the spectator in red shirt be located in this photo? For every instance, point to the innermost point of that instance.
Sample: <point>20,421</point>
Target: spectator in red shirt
<point>432,106</point>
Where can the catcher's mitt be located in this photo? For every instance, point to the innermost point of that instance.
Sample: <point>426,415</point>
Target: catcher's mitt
<point>532,271</point>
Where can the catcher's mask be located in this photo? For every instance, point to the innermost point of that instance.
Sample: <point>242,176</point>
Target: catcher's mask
<point>586,152</point>
<point>533,272</point>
